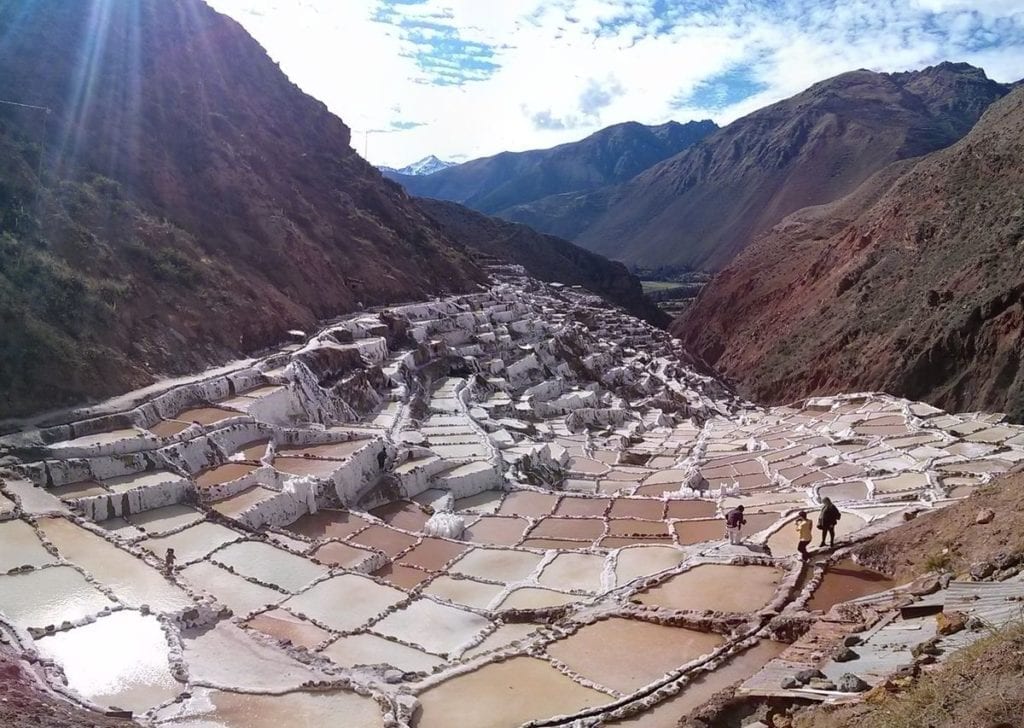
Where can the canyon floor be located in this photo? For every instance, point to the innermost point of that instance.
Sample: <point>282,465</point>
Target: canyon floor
<point>496,509</point>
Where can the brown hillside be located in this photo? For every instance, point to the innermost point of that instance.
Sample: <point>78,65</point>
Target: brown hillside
<point>194,204</point>
<point>545,256</point>
<point>699,209</point>
<point>913,285</point>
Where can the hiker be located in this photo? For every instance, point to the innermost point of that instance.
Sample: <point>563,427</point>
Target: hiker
<point>827,520</point>
<point>803,530</point>
<point>382,458</point>
<point>734,522</point>
<point>169,561</point>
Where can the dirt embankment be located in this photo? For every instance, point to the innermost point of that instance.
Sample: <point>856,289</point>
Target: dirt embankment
<point>951,539</point>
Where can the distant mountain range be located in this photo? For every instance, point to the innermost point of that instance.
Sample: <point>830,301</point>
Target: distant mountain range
<point>427,165</point>
<point>610,156</point>
<point>700,208</point>
<point>912,284</point>
<point>683,197</point>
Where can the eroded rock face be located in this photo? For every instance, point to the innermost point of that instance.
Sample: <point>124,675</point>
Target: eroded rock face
<point>788,317</point>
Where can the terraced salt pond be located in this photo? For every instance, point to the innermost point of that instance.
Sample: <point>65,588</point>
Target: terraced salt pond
<point>545,537</point>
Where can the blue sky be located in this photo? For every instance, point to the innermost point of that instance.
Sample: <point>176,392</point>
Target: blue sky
<point>468,78</point>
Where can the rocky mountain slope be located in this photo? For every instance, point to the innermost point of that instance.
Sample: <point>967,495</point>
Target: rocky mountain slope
<point>544,256</point>
<point>607,157</point>
<point>913,284</point>
<point>193,203</point>
<point>700,208</point>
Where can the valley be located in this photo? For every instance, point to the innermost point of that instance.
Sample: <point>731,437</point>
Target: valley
<point>681,424</point>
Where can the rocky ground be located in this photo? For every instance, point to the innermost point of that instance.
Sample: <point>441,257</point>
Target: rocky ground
<point>982,687</point>
<point>986,528</point>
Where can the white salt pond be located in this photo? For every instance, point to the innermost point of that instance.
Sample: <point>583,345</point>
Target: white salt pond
<point>132,580</point>
<point>49,596</point>
<point>576,534</point>
<point>119,660</point>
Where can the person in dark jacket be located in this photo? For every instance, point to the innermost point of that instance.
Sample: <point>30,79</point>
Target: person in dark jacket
<point>827,520</point>
<point>734,522</point>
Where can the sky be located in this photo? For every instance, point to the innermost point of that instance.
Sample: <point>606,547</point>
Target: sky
<point>468,78</point>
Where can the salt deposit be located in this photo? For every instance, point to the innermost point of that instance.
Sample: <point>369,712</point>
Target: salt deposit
<point>481,510</point>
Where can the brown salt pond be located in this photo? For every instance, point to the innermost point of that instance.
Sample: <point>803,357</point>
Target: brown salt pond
<point>284,626</point>
<point>698,691</point>
<point>244,710</point>
<point>633,527</point>
<point>555,543</point>
<point>328,524</point>
<point>626,654</point>
<point>204,415</point>
<point>432,553</point>
<point>617,542</point>
<point>237,504</point>
<point>404,577</point>
<point>690,532</point>
<point>643,508</point>
<point>527,503</point>
<point>579,529</point>
<point>333,450</point>
<point>254,450</point>
<point>384,539</point>
<point>402,514</point>
<point>341,554</point>
<point>575,507</point>
<point>223,474</point>
<point>84,489</point>
<point>718,587</point>
<point>689,509</point>
<point>305,466</point>
<point>846,580</point>
<point>497,530</point>
<point>504,694</point>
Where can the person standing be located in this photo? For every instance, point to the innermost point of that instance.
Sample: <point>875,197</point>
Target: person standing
<point>803,535</point>
<point>827,520</point>
<point>734,522</point>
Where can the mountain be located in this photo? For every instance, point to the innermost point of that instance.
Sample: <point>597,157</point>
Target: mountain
<point>700,208</point>
<point>181,202</point>
<point>544,256</point>
<point>427,165</point>
<point>607,157</point>
<point>914,284</point>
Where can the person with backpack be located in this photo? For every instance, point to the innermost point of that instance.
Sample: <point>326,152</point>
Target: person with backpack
<point>734,522</point>
<point>827,520</point>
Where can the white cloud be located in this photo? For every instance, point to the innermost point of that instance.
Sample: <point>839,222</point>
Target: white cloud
<point>542,72</point>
